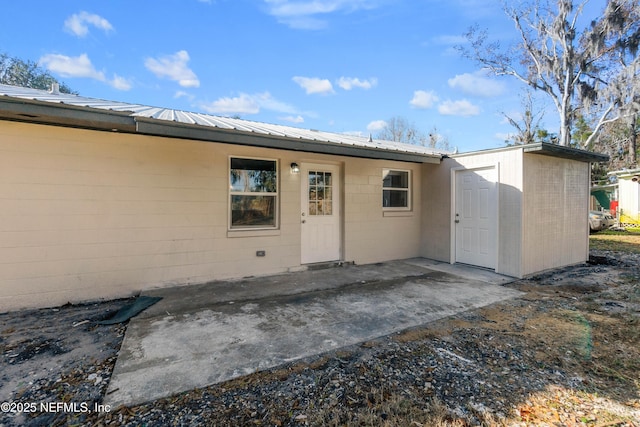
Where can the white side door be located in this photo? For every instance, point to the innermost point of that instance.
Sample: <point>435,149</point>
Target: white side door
<point>475,218</point>
<point>320,213</point>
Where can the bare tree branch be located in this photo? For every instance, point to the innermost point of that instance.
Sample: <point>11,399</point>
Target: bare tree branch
<point>594,69</point>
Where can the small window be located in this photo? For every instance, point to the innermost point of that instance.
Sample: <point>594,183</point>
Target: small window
<point>253,193</point>
<point>396,190</point>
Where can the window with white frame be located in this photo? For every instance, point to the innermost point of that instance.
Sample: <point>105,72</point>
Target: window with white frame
<point>396,189</point>
<point>253,195</point>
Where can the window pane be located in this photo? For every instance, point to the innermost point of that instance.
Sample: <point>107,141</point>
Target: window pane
<point>327,178</point>
<point>327,193</point>
<point>312,208</point>
<point>253,211</point>
<point>396,179</point>
<point>253,176</point>
<point>312,178</point>
<point>327,207</point>
<point>395,198</point>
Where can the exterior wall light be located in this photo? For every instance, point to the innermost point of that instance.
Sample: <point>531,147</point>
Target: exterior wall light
<point>295,169</point>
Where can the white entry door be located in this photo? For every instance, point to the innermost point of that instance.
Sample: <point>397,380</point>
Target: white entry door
<point>475,217</point>
<point>320,213</point>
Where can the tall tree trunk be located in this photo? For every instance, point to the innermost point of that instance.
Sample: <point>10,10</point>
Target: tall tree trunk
<point>633,138</point>
<point>564,138</point>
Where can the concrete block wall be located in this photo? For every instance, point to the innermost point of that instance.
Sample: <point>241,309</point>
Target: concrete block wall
<point>371,234</point>
<point>90,215</point>
<point>435,231</point>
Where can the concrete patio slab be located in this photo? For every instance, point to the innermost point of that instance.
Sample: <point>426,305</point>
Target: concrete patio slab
<point>202,335</point>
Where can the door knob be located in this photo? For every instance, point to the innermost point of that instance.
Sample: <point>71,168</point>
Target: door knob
<point>303,221</point>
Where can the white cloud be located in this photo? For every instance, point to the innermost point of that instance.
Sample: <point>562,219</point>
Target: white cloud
<point>423,100</point>
<point>68,66</point>
<point>458,108</point>
<point>477,84</point>
<point>182,94</point>
<point>376,125</point>
<point>80,66</point>
<point>297,119</point>
<point>77,23</point>
<point>348,83</point>
<point>174,67</point>
<point>302,14</point>
<point>248,104</point>
<point>314,85</point>
<point>268,102</point>
<point>120,83</point>
<point>243,104</point>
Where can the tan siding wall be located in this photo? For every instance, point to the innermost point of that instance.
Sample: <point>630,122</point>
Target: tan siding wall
<point>88,215</point>
<point>555,213</point>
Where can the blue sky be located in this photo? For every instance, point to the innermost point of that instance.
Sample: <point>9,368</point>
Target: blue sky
<point>334,65</point>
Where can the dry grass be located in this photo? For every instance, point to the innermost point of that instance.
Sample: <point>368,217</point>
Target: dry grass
<point>619,241</point>
<point>392,411</point>
<point>600,348</point>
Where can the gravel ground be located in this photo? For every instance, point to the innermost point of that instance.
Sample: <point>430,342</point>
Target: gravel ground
<point>566,353</point>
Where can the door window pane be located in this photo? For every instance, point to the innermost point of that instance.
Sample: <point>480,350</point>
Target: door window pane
<point>320,193</point>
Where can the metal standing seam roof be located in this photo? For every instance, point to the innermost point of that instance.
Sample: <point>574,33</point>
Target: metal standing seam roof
<point>219,122</point>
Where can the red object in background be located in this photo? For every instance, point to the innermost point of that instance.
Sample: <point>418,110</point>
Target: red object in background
<point>613,207</point>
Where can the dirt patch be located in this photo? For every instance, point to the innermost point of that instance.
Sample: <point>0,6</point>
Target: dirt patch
<point>566,353</point>
<point>55,355</point>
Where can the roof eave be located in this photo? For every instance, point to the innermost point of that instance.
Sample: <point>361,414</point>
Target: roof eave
<point>34,111</point>
<point>163,128</point>
<point>565,152</point>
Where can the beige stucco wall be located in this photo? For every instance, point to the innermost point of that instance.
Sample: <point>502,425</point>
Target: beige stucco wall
<point>555,213</point>
<point>89,215</point>
<point>437,195</point>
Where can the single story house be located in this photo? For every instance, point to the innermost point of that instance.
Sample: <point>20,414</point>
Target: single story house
<point>104,199</point>
<point>627,195</point>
